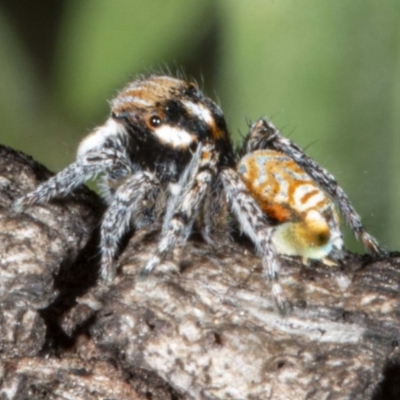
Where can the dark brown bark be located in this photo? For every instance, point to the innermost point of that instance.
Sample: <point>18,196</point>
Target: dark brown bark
<point>204,326</point>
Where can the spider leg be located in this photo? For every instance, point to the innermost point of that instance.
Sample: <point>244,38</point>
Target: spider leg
<point>186,204</point>
<point>187,177</point>
<point>215,221</point>
<point>264,135</point>
<point>136,195</point>
<point>61,184</point>
<point>255,224</point>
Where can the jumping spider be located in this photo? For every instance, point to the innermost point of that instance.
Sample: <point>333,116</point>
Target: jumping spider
<point>165,152</point>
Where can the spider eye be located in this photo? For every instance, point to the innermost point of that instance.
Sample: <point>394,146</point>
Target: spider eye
<point>155,121</point>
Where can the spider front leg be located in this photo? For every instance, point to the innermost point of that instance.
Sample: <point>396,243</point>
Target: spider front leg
<point>264,135</point>
<point>132,198</point>
<point>186,204</point>
<point>254,223</point>
<point>60,185</point>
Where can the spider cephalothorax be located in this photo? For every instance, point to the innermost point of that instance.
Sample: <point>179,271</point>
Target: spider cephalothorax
<point>160,121</point>
<point>165,154</point>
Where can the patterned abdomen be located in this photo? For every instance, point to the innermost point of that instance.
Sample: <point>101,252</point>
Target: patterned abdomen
<point>306,221</point>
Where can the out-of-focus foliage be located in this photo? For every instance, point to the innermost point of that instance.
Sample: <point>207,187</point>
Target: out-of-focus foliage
<point>105,43</point>
<point>326,72</point>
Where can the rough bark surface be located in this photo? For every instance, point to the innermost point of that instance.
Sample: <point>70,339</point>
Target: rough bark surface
<point>203,326</point>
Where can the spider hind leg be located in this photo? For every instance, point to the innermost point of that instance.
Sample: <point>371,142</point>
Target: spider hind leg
<point>255,224</point>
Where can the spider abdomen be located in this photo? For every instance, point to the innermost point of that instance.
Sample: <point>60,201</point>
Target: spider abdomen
<point>306,223</point>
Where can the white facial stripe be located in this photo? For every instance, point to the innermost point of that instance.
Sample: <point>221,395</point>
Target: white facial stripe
<point>96,139</point>
<point>199,111</point>
<point>174,137</point>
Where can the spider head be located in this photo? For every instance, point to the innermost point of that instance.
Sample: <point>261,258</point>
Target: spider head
<point>159,121</point>
<point>169,112</point>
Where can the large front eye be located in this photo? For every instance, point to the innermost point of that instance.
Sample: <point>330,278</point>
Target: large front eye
<point>155,121</point>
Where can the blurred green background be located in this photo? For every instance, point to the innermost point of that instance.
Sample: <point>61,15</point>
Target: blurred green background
<point>325,72</point>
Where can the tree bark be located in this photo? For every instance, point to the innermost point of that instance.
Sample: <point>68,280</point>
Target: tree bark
<point>203,326</point>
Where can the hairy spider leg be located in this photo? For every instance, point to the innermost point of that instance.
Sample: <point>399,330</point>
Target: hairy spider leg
<point>61,184</point>
<point>255,224</point>
<point>131,199</point>
<point>215,221</point>
<point>186,204</point>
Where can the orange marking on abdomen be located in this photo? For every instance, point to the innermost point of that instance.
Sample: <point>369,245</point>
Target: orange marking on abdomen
<point>277,212</point>
<point>274,180</point>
